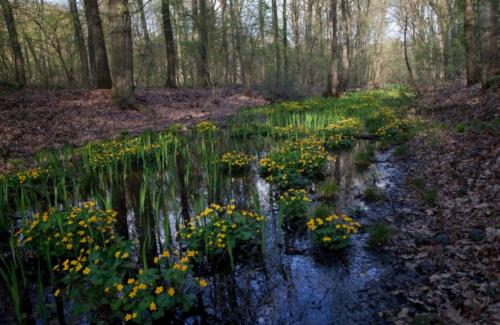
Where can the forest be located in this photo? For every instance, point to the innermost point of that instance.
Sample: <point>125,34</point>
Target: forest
<point>249,162</point>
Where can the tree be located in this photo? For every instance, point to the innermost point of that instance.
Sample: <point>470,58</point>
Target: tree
<point>19,71</point>
<point>346,32</point>
<point>471,49</point>
<point>285,46</point>
<point>276,36</point>
<point>169,45</point>
<point>122,55</point>
<point>98,48</point>
<point>333,80</point>
<point>489,39</point>
<point>80,43</point>
<point>203,73</point>
<point>148,45</point>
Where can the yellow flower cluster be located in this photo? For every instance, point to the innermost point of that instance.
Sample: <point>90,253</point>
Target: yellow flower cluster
<point>74,236</point>
<point>216,224</point>
<point>236,160</point>
<point>340,222</point>
<point>345,127</point>
<point>282,131</point>
<point>32,174</point>
<point>206,126</point>
<point>294,194</point>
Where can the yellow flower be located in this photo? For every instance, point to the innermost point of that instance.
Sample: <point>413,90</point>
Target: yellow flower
<point>159,290</point>
<point>165,253</point>
<point>69,246</point>
<point>152,306</point>
<point>203,283</point>
<point>128,317</point>
<point>57,293</point>
<point>130,281</point>
<point>156,260</point>
<point>327,239</point>
<point>125,255</point>
<point>119,287</point>
<point>171,291</point>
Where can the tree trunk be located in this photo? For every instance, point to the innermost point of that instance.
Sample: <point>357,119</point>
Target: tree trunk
<point>296,35</point>
<point>490,62</point>
<point>333,80</point>
<point>169,45</point>
<point>14,43</point>
<point>407,59</point>
<point>103,78</point>
<point>285,46</point>
<point>346,32</point>
<point>204,75</point>
<point>225,43</point>
<point>148,45</point>
<point>471,49</point>
<point>80,44</point>
<point>122,54</point>
<point>277,59</point>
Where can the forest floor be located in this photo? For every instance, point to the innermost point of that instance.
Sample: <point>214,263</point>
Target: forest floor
<point>31,120</point>
<point>452,236</point>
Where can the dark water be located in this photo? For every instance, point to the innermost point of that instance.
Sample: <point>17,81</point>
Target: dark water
<point>293,283</point>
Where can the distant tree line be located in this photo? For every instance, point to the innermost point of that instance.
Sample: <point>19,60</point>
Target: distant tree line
<point>285,45</point>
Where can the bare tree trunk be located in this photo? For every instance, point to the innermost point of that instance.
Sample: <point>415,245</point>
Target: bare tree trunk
<point>237,26</point>
<point>346,32</point>
<point>277,58</point>
<point>204,73</point>
<point>80,44</point>
<point>225,43</point>
<point>14,43</point>
<point>122,54</point>
<point>285,46</point>
<point>490,60</point>
<point>407,59</point>
<point>296,34</point>
<point>148,45</point>
<point>308,73</point>
<point>333,80</point>
<point>169,45</point>
<point>103,77</point>
<point>262,36</point>
<point>471,50</point>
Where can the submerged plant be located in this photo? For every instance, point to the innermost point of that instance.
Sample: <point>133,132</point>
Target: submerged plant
<point>332,232</point>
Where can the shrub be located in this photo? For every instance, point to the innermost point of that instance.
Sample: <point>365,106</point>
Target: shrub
<point>332,232</point>
<point>328,189</point>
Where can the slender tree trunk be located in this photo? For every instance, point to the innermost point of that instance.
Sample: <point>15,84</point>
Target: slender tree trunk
<point>407,59</point>
<point>262,37</point>
<point>471,49</point>
<point>346,32</point>
<point>333,80</point>
<point>225,43</point>
<point>277,58</point>
<point>204,73</point>
<point>80,44</point>
<point>14,43</point>
<point>103,77</point>
<point>91,53</point>
<point>148,45</point>
<point>296,35</point>
<point>237,26</point>
<point>490,60</point>
<point>122,54</point>
<point>169,45</point>
<point>285,46</point>
<point>308,73</point>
